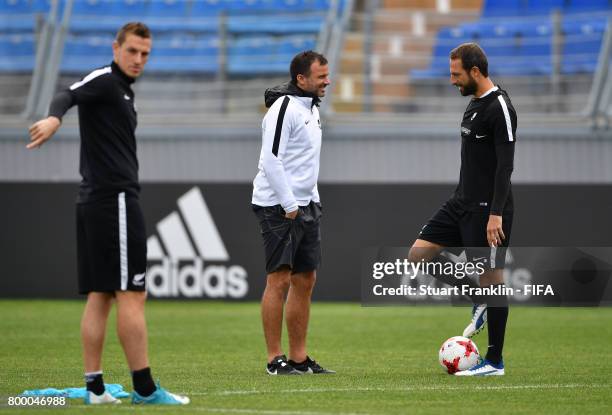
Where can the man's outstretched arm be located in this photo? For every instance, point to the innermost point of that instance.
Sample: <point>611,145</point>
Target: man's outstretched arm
<point>43,130</point>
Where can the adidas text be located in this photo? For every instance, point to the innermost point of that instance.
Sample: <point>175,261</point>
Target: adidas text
<point>192,279</point>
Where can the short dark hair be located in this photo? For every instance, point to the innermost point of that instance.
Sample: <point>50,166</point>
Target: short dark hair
<point>136,28</point>
<point>300,64</point>
<point>471,55</point>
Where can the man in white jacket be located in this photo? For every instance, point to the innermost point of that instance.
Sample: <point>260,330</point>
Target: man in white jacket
<point>286,202</point>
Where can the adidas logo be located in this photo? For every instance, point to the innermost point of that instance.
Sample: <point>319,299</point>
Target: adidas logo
<point>189,239</point>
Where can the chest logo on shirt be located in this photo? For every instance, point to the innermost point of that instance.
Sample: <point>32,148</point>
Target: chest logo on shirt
<point>126,97</point>
<point>307,121</point>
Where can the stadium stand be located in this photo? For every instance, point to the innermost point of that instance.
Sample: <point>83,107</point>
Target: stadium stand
<point>521,42</point>
<point>188,31</point>
<point>218,55</point>
<point>395,59</point>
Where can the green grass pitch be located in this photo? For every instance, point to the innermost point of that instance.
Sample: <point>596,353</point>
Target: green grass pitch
<point>557,360</point>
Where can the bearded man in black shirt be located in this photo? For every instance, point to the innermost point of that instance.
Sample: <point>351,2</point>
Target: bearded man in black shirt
<point>111,236</point>
<point>478,216</point>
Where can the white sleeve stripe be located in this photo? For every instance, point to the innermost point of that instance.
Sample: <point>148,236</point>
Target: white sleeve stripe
<point>507,116</point>
<point>91,76</point>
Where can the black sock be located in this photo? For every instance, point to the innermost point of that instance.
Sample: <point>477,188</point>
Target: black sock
<point>94,382</point>
<point>497,316</point>
<point>143,382</point>
<point>451,279</point>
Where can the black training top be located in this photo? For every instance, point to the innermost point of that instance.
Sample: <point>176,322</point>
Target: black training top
<point>107,120</point>
<point>488,134</point>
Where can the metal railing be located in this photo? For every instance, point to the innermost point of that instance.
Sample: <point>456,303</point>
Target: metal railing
<point>599,108</point>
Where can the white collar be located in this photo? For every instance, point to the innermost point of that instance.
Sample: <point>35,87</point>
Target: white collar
<point>495,88</point>
<point>306,101</point>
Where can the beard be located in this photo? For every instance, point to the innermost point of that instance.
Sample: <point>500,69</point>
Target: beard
<point>469,88</point>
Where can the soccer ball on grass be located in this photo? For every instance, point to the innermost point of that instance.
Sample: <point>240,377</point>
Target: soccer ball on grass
<point>458,353</point>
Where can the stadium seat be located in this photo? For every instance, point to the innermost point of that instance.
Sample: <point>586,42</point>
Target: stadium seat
<point>24,24</point>
<point>504,8</point>
<point>96,25</point>
<point>265,55</point>
<point>249,6</point>
<point>544,7</point>
<point>92,8</point>
<point>582,44</point>
<point>130,8</point>
<point>274,24</point>
<point>446,39</point>
<point>15,7</point>
<point>252,55</point>
<point>185,56</point>
<point>85,53</point>
<point>207,8</point>
<point>40,6</point>
<point>184,29</point>
<point>168,8</point>
<point>16,16</point>
<point>293,6</point>
<point>17,53</point>
<point>588,5</point>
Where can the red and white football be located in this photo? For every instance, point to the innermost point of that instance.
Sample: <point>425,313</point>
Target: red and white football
<point>458,353</point>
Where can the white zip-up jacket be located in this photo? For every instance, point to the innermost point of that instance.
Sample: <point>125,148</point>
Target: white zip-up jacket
<point>290,151</point>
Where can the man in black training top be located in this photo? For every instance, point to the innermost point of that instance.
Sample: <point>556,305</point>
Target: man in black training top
<point>111,236</point>
<point>479,214</point>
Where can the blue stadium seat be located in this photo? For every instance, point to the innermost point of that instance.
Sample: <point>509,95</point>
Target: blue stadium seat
<point>184,28</point>
<point>168,8</point>
<point>293,6</point>
<point>185,55</point>
<point>16,16</point>
<point>504,7</point>
<point>577,24</point>
<point>130,8</point>
<point>23,24</point>
<point>40,6</point>
<point>588,5</point>
<point>92,7</point>
<point>447,39</point>
<point>326,4</point>
<point>250,6</point>
<point>274,24</point>
<point>541,7</point>
<point>85,53</point>
<point>292,45</point>
<point>17,53</point>
<point>15,7</point>
<point>96,25</point>
<point>582,44</point>
<point>524,46</point>
<point>265,55</point>
<point>207,8</point>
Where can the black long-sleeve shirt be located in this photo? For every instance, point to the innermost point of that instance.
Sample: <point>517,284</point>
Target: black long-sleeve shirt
<point>107,120</point>
<point>488,133</point>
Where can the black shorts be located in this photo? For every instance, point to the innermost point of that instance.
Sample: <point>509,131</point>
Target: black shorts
<point>287,242</point>
<point>111,245</point>
<point>455,227</point>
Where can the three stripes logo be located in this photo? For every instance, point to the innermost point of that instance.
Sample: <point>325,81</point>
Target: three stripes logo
<point>184,259</point>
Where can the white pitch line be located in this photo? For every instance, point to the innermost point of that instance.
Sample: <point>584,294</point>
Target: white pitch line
<point>402,389</point>
<point>192,408</point>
